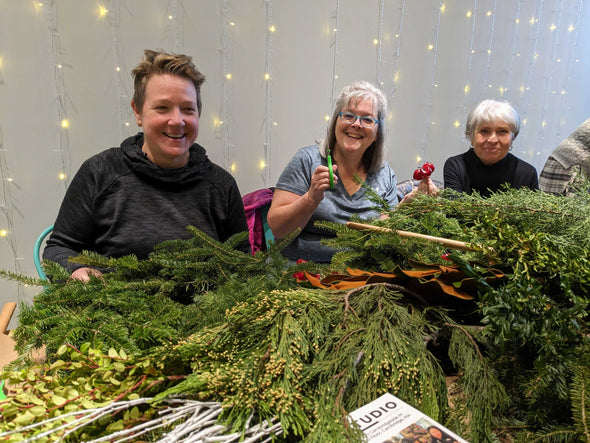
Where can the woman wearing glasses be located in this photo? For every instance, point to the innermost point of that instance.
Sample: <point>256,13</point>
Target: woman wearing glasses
<point>306,191</point>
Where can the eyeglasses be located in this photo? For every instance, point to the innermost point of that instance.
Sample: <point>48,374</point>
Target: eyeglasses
<point>349,118</point>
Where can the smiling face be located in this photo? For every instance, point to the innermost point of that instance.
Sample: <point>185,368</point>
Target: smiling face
<point>354,139</point>
<point>491,141</point>
<point>169,119</point>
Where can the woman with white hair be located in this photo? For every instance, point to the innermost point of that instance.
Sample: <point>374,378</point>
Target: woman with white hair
<point>319,182</point>
<point>488,165</point>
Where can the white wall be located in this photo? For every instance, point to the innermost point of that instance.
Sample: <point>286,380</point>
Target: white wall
<point>533,53</point>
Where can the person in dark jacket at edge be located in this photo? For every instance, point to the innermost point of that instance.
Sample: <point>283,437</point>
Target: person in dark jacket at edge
<point>126,200</point>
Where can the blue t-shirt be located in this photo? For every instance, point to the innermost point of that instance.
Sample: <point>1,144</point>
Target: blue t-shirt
<point>337,205</point>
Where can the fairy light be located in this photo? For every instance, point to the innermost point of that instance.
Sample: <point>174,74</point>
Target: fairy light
<point>396,54</point>
<point>514,52</point>
<point>378,42</point>
<point>175,14</point>
<point>262,164</point>
<point>233,167</point>
<point>490,45</point>
<point>267,76</point>
<point>228,76</point>
<point>456,124</point>
<point>102,11</point>
<point>62,176</point>
<point>65,123</point>
<point>9,208</point>
<point>119,70</point>
<point>334,46</point>
<point>433,82</point>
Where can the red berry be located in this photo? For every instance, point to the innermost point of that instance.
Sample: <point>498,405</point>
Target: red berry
<point>418,174</point>
<point>428,168</point>
<point>299,276</point>
<point>299,261</point>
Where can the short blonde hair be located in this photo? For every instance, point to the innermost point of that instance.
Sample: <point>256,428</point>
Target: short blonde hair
<point>160,62</point>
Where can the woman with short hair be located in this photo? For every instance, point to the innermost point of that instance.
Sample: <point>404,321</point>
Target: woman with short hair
<point>488,165</point>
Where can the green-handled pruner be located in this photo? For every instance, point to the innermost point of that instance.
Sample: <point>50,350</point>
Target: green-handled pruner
<point>330,171</point>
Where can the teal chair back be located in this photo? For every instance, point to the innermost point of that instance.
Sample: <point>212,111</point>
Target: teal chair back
<point>37,252</point>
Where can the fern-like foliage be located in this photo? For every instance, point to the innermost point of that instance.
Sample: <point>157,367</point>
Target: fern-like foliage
<point>220,324</point>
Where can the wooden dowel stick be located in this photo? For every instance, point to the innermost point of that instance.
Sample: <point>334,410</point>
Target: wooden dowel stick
<point>453,244</point>
<point>6,315</point>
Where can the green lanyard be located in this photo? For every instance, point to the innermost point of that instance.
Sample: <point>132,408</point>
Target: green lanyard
<point>329,158</point>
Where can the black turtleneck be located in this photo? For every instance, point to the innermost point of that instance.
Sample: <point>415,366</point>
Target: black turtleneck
<point>466,173</point>
<point>489,178</point>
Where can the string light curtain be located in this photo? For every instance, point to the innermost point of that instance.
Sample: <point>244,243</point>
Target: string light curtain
<point>120,71</point>
<point>50,13</point>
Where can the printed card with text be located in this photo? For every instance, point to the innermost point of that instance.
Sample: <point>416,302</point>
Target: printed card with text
<point>390,420</point>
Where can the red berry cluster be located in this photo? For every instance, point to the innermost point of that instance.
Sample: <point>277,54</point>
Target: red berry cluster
<point>300,276</point>
<point>424,172</point>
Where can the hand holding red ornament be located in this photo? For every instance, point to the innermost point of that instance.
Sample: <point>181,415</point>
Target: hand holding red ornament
<point>426,186</point>
<point>424,172</point>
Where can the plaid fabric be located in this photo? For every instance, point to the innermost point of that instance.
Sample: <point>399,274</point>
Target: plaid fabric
<point>556,179</point>
<point>566,167</point>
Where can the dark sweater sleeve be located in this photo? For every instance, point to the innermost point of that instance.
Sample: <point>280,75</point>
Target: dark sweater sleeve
<point>455,174</point>
<point>526,176</point>
<point>74,225</point>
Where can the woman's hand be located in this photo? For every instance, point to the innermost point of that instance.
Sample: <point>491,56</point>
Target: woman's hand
<point>289,211</point>
<point>320,181</point>
<point>83,274</point>
<point>426,186</point>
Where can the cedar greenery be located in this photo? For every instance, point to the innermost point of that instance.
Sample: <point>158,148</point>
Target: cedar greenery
<point>201,320</point>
